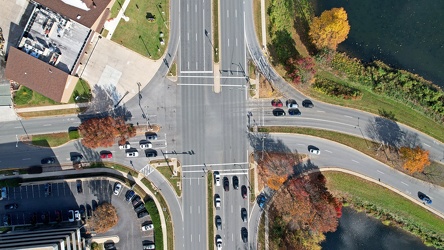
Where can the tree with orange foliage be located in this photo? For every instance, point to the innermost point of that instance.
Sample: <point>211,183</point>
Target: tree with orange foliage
<point>330,29</point>
<point>416,159</point>
<point>275,165</point>
<point>102,132</point>
<point>274,182</point>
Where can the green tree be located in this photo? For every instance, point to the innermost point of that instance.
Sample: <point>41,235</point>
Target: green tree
<point>330,29</point>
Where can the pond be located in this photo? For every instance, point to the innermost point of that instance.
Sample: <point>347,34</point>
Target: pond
<point>404,34</point>
<point>358,231</point>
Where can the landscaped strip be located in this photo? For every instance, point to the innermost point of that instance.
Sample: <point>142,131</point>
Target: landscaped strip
<point>261,233</point>
<point>433,173</point>
<point>50,112</point>
<point>216,31</point>
<point>174,180</point>
<point>50,140</point>
<point>155,218</point>
<point>210,210</point>
<point>387,205</point>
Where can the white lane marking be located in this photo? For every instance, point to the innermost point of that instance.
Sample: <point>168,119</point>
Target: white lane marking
<point>17,127</point>
<point>199,237</point>
<point>188,8</point>
<point>196,65</point>
<point>328,151</point>
<point>427,145</point>
<point>320,111</point>
<point>380,172</point>
<point>217,164</point>
<point>198,182</point>
<point>191,209</point>
<point>195,8</point>
<point>191,238</point>
<point>300,144</point>
<point>228,15</point>
<point>188,64</point>
<point>228,42</point>
<point>198,209</point>
<point>196,37</point>
<point>231,208</point>
<point>188,35</point>
<point>355,161</point>
<point>46,125</point>
<point>404,183</point>
<point>235,13</point>
<point>348,116</point>
<point>25,159</point>
<point>236,45</point>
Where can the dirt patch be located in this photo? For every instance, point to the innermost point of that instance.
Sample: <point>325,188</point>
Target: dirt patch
<point>266,89</point>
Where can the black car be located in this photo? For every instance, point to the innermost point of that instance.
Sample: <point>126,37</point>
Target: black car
<point>76,158</point>
<point>150,136</point>
<point>48,188</point>
<point>139,207</point>
<point>129,195</point>
<point>150,153</point>
<point>48,160</point>
<point>6,220</point>
<point>307,103</point>
<point>226,184</point>
<point>109,246</point>
<point>244,235</point>
<point>244,214</point>
<point>88,211</point>
<point>142,214</point>
<point>235,182</point>
<point>218,222</point>
<point>244,191</point>
<point>79,186</point>
<point>278,112</point>
<point>294,112</point>
<point>82,212</point>
<point>11,206</point>
<point>136,200</point>
<point>425,198</point>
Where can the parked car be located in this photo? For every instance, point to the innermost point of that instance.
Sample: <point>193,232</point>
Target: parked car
<point>261,199</point>
<point>125,146</point>
<point>217,201</point>
<point>4,193</point>
<point>136,200</point>
<point>82,212</point>
<point>150,153</point>
<point>132,154</point>
<point>149,246</point>
<point>11,206</point>
<point>117,188</point>
<point>218,222</point>
<point>244,214</point>
<point>71,216</point>
<point>150,136</point>
<point>315,151</point>
<point>217,178</point>
<point>106,155</point>
<point>48,160</point>
<point>276,103</point>
<point>218,242</point>
<point>294,112</point>
<point>79,186</point>
<point>244,234</point>
<point>142,214</point>
<point>129,195</point>
<point>77,215</point>
<point>226,184</point>
<point>244,191</point>
<point>48,189</point>
<point>146,145</point>
<point>307,103</point>
<point>278,112</point>
<point>235,182</point>
<point>425,198</point>
<point>109,246</point>
<point>76,158</point>
<point>88,211</point>
<point>139,207</point>
<point>291,103</point>
<point>147,227</point>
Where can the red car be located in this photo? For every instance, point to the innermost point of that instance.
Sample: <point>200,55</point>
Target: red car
<point>277,103</point>
<point>106,155</point>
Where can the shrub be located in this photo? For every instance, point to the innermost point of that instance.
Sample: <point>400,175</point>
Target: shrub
<point>331,88</point>
<point>104,218</point>
<point>155,218</point>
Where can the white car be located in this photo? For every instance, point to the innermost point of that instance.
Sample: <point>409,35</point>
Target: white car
<point>117,188</point>
<point>149,246</point>
<point>217,201</point>
<point>71,216</point>
<point>77,215</point>
<point>315,151</point>
<point>146,145</point>
<point>147,227</point>
<point>132,154</point>
<point>125,146</point>
<point>217,178</point>
<point>219,243</point>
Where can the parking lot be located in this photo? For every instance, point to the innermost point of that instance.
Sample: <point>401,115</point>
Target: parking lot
<point>37,204</point>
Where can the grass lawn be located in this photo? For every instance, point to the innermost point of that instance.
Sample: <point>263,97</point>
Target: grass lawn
<point>50,140</point>
<point>25,97</point>
<point>210,210</point>
<point>155,218</point>
<point>174,180</point>
<point>358,189</point>
<point>82,90</point>
<point>51,112</point>
<point>140,35</point>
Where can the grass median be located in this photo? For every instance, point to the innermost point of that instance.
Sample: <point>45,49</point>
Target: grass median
<point>216,31</point>
<point>388,206</point>
<point>174,180</point>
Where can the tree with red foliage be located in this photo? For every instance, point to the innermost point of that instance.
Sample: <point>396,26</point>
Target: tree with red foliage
<point>301,70</point>
<point>306,208</point>
<point>102,132</point>
<point>278,166</point>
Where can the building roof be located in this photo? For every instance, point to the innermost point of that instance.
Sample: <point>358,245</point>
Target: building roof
<point>36,74</point>
<point>87,17</point>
